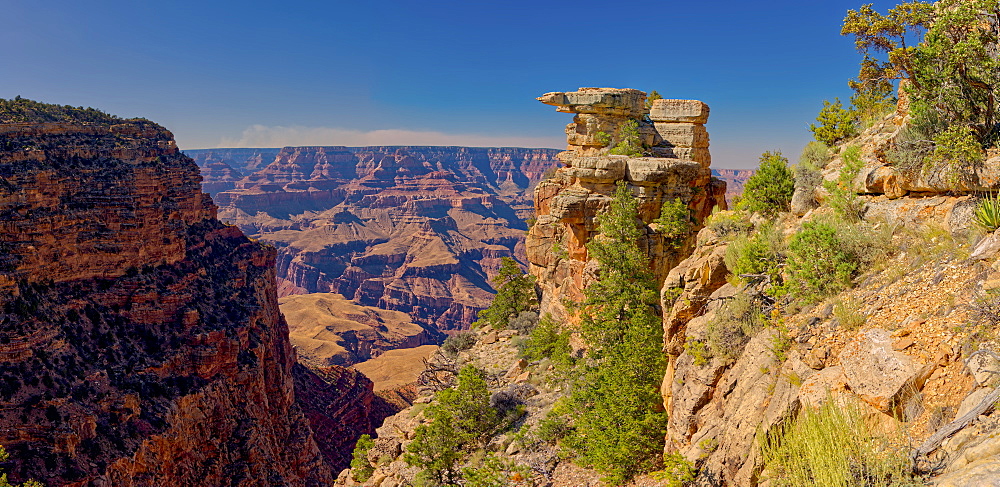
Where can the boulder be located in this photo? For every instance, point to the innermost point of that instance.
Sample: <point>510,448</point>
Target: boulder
<point>689,111</point>
<point>877,373</point>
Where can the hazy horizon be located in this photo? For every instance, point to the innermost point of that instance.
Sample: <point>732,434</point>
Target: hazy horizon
<point>449,73</point>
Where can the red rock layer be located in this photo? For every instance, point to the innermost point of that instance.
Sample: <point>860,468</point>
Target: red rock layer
<point>140,338</point>
<point>414,229</point>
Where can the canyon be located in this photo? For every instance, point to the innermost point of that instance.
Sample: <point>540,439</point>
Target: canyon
<point>141,341</point>
<point>419,230</point>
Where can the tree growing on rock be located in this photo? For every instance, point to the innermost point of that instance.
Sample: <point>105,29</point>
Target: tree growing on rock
<point>619,425</point>
<point>515,294</point>
<point>769,191</point>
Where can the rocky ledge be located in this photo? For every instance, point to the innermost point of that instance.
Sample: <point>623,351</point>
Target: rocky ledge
<point>140,338</point>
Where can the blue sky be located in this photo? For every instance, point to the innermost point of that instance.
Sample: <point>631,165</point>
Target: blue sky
<point>257,74</point>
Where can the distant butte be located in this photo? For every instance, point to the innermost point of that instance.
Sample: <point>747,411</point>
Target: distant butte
<point>414,229</point>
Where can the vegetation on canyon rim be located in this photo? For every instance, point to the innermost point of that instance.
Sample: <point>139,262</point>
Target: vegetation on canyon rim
<point>610,419</point>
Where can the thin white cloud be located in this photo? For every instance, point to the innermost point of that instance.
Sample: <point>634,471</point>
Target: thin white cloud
<point>278,136</point>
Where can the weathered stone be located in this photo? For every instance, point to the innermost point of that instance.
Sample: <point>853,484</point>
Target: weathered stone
<point>987,248</point>
<point>803,200</point>
<point>597,169</point>
<point>682,134</point>
<point>823,385</point>
<point>688,111</point>
<point>985,367</point>
<point>697,154</point>
<point>169,319</point>
<point>876,372</point>
<point>672,172</point>
<point>605,101</point>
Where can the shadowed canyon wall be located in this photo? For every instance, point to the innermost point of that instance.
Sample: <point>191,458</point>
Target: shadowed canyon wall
<point>140,338</point>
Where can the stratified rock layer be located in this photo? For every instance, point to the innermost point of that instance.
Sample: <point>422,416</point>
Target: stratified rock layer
<point>568,203</point>
<point>140,338</point>
<point>414,229</point>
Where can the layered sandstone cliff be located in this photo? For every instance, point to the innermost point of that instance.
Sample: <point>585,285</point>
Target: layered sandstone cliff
<point>567,203</point>
<point>414,229</point>
<point>140,338</point>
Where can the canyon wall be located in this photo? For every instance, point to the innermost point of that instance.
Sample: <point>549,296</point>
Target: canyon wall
<point>413,229</point>
<point>140,338</point>
<point>568,203</point>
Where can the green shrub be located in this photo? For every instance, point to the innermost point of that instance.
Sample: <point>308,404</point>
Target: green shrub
<point>826,254</point>
<point>515,294</point>
<point>676,472</point>
<point>848,315</point>
<point>653,96</point>
<point>958,152</point>
<point>808,172</point>
<point>734,323</point>
<point>361,469</point>
<point>836,124</point>
<point>843,199</point>
<point>547,340</point>
<point>728,223</point>
<point>698,351</point>
<point>619,424</point>
<point>833,446</point>
<point>461,419</point>
<point>987,213</point>
<point>496,472</point>
<point>458,342</point>
<point>758,253</point>
<point>629,140</point>
<point>769,190</point>
<point>674,221</point>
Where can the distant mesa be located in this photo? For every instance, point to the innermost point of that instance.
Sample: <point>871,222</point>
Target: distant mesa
<point>414,229</point>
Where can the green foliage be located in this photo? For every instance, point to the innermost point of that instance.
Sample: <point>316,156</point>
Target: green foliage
<point>653,96</point>
<point>674,221</point>
<point>826,254</point>
<point>496,472</point>
<point>836,124</point>
<point>619,423</point>
<point>22,110</point>
<point>987,213</point>
<point>4,456</point>
<point>458,342</point>
<point>676,472</point>
<point>946,53</point>
<point>848,315</point>
<point>728,223</point>
<point>361,469</point>
<point>547,340</point>
<point>461,419</point>
<point>956,70</point>
<point>698,351</point>
<point>958,152</point>
<point>629,140</point>
<point>769,191</point>
<point>515,294</point>
<point>887,44</point>
<point>758,253</point>
<point>833,446</point>
<point>734,323</point>
<point>808,172</point>
<point>842,197</point>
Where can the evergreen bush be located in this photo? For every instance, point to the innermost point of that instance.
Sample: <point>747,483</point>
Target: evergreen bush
<point>769,190</point>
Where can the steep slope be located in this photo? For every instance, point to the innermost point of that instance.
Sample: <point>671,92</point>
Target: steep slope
<point>414,229</point>
<point>327,329</point>
<point>140,338</point>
